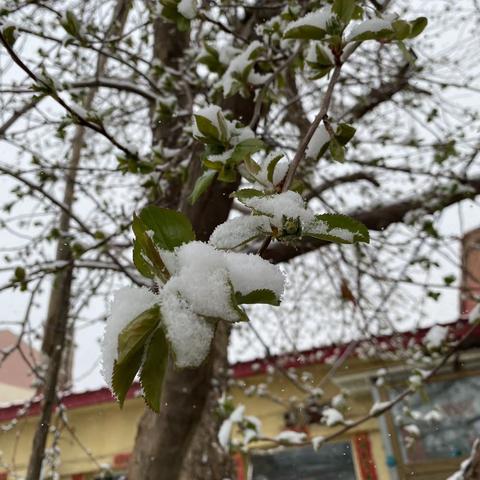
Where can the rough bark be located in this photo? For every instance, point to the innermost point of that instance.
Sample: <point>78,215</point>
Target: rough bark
<point>57,345</point>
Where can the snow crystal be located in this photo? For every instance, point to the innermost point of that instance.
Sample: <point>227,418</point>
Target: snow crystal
<point>319,138</point>
<point>127,304</point>
<point>187,8</point>
<point>238,66</point>
<point>189,334</point>
<point>435,337</point>
<point>371,25</point>
<point>331,416</point>
<point>318,19</point>
<point>239,230</point>
<point>289,436</point>
<point>289,204</point>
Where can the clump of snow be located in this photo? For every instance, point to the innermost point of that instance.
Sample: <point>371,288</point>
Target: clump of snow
<point>201,286</point>
<point>317,19</point>
<point>250,272</point>
<point>331,417</point>
<point>127,304</point>
<point>211,112</point>
<point>279,172</point>
<point>189,334</point>
<point>239,230</point>
<point>435,337</point>
<point>225,430</point>
<point>317,442</point>
<point>412,430</point>
<point>187,8</point>
<point>370,25</point>
<point>289,204</point>
<point>319,139</point>
<point>433,416</point>
<point>379,407</point>
<point>291,437</point>
<point>238,65</point>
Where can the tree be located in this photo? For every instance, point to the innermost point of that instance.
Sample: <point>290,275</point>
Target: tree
<point>302,105</point>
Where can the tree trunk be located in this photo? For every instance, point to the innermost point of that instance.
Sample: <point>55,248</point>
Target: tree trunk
<point>57,345</point>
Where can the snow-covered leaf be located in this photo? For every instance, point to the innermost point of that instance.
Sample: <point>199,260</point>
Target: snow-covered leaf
<point>240,230</point>
<point>259,296</point>
<point>124,374</point>
<point>337,228</point>
<point>133,337</point>
<point>313,26</point>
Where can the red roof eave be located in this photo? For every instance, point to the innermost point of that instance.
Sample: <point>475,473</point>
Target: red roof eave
<point>244,369</point>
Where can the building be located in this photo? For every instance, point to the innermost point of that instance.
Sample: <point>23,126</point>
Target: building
<point>15,371</point>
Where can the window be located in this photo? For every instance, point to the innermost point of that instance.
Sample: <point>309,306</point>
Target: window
<point>332,462</point>
<point>458,401</point>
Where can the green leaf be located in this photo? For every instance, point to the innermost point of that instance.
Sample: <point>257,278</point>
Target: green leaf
<point>344,9</point>
<point>124,374</point>
<point>228,173</point>
<point>170,228</point>
<point>344,133</point>
<point>385,34</point>
<point>9,34</point>
<point>20,274</point>
<point>336,150</point>
<point>305,32</point>
<point>140,263</point>
<point>144,248</point>
<point>247,193</point>
<point>258,296</point>
<point>245,148</point>
<point>207,129</point>
<point>201,185</point>
<point>71,24</point>
<point>338,228</point>
<point>417,26</point>
<point>154,368</point>
<point>133,337</point>
<point>271,166</point>
<point>402,29</point>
